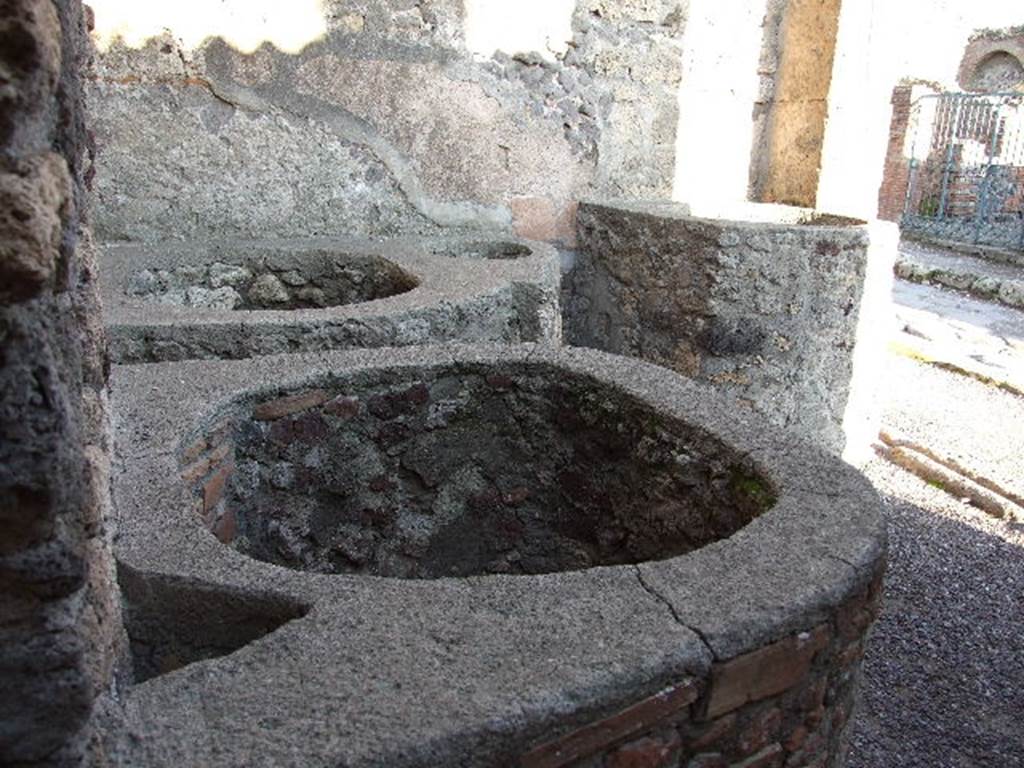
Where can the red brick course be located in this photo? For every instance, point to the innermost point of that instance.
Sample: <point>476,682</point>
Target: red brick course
<point>207,466</point>
<point>763,673</point>
<point>648,752</point>
<point>893,192</point>
<point>785,705</point>
<point>598,736</point>
<point>286,406</point>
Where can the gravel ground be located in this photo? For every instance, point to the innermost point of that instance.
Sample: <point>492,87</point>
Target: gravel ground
<point>944,673</point>
<point>943,677</point>
<point>979,426</point>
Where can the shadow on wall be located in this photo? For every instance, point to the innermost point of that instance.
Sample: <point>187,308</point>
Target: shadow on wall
<point>173,622</point>
<point>324,119</point>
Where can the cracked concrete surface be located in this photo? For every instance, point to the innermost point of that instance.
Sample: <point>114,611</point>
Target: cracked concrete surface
<point>671,609</point>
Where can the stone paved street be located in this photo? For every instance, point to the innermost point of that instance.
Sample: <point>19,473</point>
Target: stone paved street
<point>945,669</point>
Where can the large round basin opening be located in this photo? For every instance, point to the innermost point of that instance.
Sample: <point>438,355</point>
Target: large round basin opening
<point>296,280</point>
<point>461,470</point>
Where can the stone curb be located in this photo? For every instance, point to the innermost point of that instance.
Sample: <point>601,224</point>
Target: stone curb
<point>1005,290</point>
<point>990,253</point>
<point>925,352</point>
<point>951,477</point>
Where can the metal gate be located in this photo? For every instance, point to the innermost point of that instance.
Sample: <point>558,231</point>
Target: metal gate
<point>967,169</point>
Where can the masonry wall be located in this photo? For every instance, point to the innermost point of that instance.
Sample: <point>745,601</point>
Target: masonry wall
<point>766,312</point>
<point>796,65</point>
<point>784,705</point>
<point>386,124</point>
<point>893,192</point>
<point>767,75</point>
<point>60,629</point>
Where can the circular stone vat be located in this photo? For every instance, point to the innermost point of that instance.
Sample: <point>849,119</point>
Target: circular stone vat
<point>310,280</point>
<point>463,471</point>
<point>178,301</point>
<point>741,567</point>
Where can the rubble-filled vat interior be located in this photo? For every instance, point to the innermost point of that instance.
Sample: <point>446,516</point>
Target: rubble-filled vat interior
<point>274,281</point>
<point>463,470</point>
<point>485,249</point>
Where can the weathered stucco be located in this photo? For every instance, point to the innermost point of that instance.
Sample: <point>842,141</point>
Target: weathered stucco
<point>386,125</point>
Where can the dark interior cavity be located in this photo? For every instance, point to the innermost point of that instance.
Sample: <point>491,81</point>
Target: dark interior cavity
<point>298,280</point>
<point>462,471</point>
<point>487,249</point>
<point>173,622</point>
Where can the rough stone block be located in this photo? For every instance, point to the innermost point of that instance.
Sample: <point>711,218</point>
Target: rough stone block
<point>761,731</point>
<point>770,757</point>
<point>226,527</point>
<point>713,733</point>
<point>33,195</point>
<point>708,760</point>
<point>30,58</point>
<point>201,467</point>
<point>213,488</point>
<point>343,407</point>
<point>796,739</point>
<point>765,308</point>
<point>60,639</point>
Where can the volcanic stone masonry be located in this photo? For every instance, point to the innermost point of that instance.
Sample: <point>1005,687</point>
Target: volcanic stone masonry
<point>765,310</point>
<point>60,631</point>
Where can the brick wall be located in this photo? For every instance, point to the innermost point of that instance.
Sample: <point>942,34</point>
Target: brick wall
<point>785,705</point>
<point>892,193</point>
